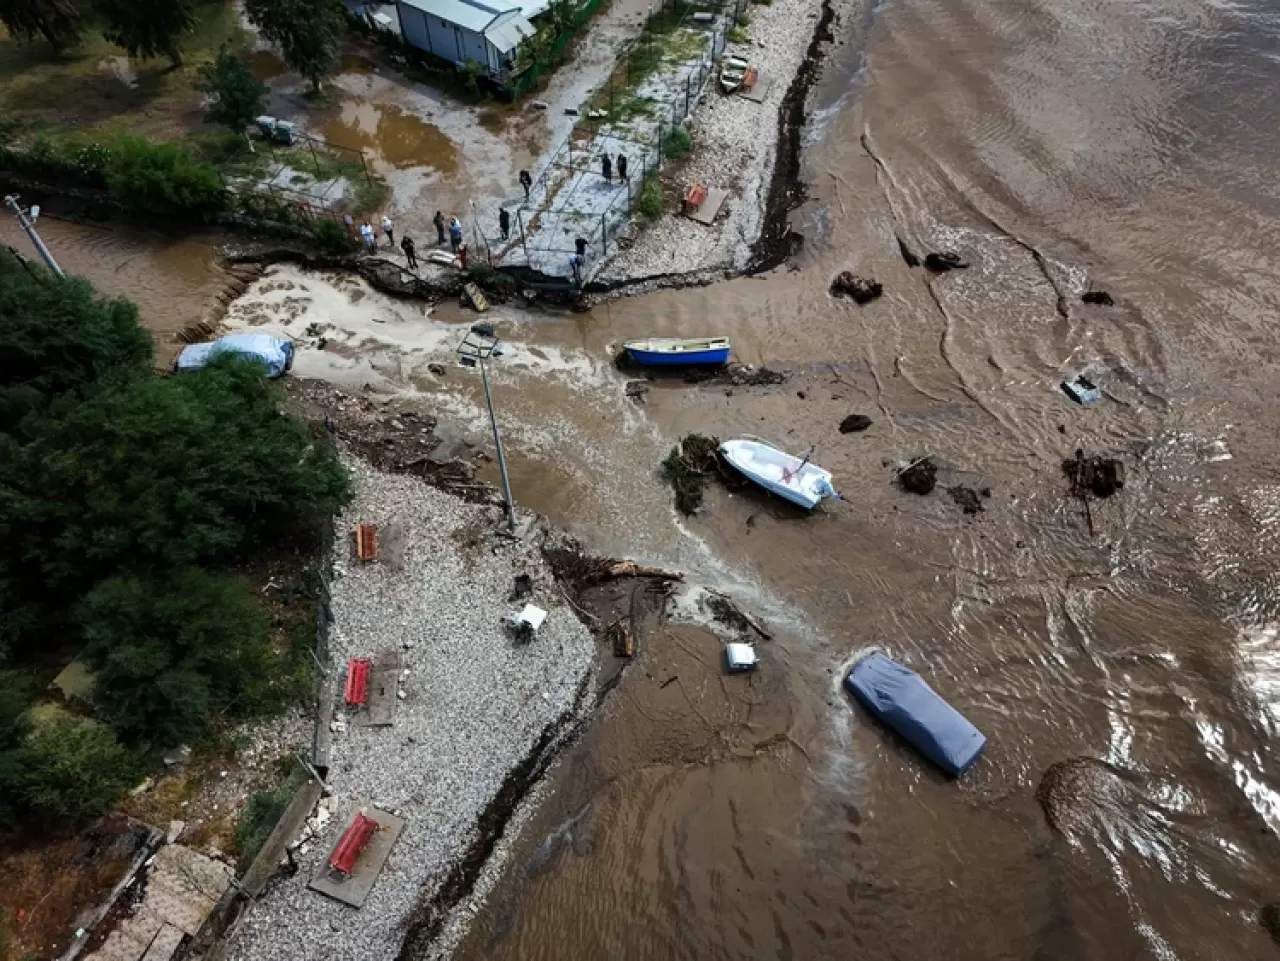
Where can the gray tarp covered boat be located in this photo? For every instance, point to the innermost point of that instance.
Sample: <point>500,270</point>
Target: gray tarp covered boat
<point>900,698</point>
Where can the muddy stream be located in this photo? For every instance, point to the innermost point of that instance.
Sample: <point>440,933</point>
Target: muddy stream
<point>1128,681</point>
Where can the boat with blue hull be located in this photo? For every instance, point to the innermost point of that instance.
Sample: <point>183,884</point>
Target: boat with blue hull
<point>678,352</point>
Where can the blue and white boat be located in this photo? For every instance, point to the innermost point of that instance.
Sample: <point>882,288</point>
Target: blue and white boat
<point>791,478</point>
<point>678,352</point>
<point>901,698</point>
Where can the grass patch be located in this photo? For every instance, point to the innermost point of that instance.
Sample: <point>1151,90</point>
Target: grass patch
<point>264,808</point>
<point>744,19</point>
<point>677,144</point>
<point>737,35</point>
<point>649,203</point>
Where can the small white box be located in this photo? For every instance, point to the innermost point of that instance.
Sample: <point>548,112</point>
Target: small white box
<point>740,657</point>
<point>530,618</point>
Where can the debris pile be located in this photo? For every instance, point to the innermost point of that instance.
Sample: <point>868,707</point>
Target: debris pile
<point>687,468</point>
<point>970,500</point>
<point>919,477</point>
<point>861,289</point>
<point>1097,474</point>
<point>1100,297</point>
<point>946,260</point>
<point>855,423</point>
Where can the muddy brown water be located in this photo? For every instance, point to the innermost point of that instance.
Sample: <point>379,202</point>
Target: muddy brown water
<point>1127,681</point>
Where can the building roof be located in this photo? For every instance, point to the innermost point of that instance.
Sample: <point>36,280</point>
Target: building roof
<point>532,8</point>
<point>508,32</point>
<point>473,15</point>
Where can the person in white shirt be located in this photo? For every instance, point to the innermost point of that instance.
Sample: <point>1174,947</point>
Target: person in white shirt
<point>367,234</point>
<point>387,229</point>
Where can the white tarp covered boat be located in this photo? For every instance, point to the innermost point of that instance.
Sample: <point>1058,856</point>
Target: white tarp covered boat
<point>792,478</point>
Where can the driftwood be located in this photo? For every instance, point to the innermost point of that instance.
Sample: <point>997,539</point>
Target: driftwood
<point>614,569</point>
<point>624,640</point>
<point>737,613</point>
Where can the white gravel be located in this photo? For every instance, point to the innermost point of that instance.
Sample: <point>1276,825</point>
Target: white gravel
<point>735,145</point>
<point>475,705</point>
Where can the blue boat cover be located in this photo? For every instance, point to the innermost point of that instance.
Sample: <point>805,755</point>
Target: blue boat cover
<point>274,352</point>
<point>901,699</point>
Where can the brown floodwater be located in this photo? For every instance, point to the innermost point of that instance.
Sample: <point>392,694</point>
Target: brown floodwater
<point>1130,675</point>
<point>265,64</point>
<point>394,137</point>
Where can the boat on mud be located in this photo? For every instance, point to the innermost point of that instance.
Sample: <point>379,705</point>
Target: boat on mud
<point>792,478</point>
<point>902,699</point>
<point>677,352</point>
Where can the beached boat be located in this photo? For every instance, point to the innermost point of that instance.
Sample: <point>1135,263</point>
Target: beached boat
<point>901,698</point>
<point>793,478</point>
<point>732,72</point>
<point>677,352</point>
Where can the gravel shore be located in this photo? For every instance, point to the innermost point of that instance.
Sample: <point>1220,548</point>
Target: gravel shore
<point>735,147</point>
<point>474,704</point>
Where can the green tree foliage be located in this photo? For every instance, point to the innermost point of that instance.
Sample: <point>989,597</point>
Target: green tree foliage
<point>308,32</point>
<point>171,650</point>
<point>148,28</point>
<point>58,21</point>
<point>59,340</point>
<point>14,727</point>
<point>331,237</point>
<point>163,178</point>
<point>73,769</point>
<point>237,95</point>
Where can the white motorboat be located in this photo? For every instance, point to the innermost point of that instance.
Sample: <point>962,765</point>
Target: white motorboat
<point>793,478</point>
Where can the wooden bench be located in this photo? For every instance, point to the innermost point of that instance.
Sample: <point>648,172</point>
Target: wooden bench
<point>353,841</point>
<point>694,196</point>
<point>749,78</point>
<point>367,542</point>
<point>357,687</point>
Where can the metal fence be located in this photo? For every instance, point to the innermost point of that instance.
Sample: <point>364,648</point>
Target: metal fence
<point>648,94</point>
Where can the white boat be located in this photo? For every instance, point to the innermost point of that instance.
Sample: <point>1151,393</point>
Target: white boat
<point>732,71</point>
<point>793,478</point>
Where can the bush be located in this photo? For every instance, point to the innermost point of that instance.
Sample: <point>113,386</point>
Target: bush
<point>264,809</point>
<point>330,237</point>
<point>677,143</point>
<point>163,178</point>
<point>236,95</point>
<point>169,651</point>
<point>737,35</point>
<point>649,203</point>
<point>744,19</point>
<point>73,769</point>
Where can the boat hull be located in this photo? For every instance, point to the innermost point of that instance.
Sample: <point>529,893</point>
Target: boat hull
<point>766,466</point>
<point>653,358</point>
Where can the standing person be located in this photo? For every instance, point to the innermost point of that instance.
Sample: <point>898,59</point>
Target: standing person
<point>367,234</point>
<point>410,253</point>
<point>349,226</point>
<point>504,223</point>
<point>606,167</point>
<point>438,220</point>
<point>580,244</point>
<point>575,265</point>
<point>388,229</point>
<point>622,168</point>
<point>526,182</point>
<point>455,233</point>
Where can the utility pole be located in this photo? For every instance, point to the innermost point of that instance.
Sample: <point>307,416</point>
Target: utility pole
<point>479,345</point>
<point>29,226</point>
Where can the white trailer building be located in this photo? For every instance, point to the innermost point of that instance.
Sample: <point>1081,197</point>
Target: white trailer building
<point>484,31</point>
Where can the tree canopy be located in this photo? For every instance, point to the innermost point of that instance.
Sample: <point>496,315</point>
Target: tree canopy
<point>308,32</point>
<point>236,95</point>
<point>148,28</point>
<point>58,21</point>
<point>163,178</point>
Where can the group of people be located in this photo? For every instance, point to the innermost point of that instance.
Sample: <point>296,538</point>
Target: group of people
<point>369,237</point>
<point>607,166</point>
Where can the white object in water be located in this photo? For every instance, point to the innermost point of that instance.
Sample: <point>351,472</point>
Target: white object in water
<point>792,478</point>
<point>529,619</point>
<point>740,657</point>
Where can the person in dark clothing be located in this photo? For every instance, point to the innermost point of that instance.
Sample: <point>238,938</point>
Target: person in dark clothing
<point>606,167</point>
<point>526,182</point>
<point>438,220</point>
<point>581,245</point>
<point>455,233</point>
<point>410,253</point>
<point>622,168</point>
<point>504,223</point>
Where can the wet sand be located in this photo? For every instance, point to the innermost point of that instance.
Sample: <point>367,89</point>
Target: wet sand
<point>1128,147</point>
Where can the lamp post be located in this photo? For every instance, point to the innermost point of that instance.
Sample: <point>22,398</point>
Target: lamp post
<point>479,345</point>
<point>28,225</point>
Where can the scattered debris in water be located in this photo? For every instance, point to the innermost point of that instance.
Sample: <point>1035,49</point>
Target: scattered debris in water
<point>861,289</point>
<point>855,423</point>
<point>1097,297</point>
<point>636,389</point>
<point>687,468</point>
<point>908,255</point>
<point>723,609</point>
<point>1269,918</point>
<point>1082,390</point>
<point>1098,474</point>
<point>946,260</point>
<point>919,477</point>
<point>739,375</point>
<point>970,500</point>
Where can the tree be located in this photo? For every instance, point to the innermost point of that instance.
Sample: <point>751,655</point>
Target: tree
<point>59,340</point>
<point>148,28</point>
<point>308,32</point>
<point>237,95</point>
<point>73,769</point>
<point>58,21</point>
<point>169,651</point>
<point>163,178</point>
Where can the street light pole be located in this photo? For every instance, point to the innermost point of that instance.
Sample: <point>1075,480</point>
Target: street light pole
<point>479,345</point>
<point>12,201</point>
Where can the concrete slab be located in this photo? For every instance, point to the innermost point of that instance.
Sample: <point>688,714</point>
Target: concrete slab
<point>384,683</point>
<point>706,213</point>
<point>164,943</point>
<point>354,890</point>
<point>759,90</point>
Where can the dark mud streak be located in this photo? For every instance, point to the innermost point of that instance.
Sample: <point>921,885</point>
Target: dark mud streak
<point>433,911</point>
<point>786,192</point>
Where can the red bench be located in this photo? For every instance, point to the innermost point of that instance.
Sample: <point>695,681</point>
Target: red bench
<point>694,196</point>
<point>357,690</point>
<point>367,542</point>
<point>353,841</point>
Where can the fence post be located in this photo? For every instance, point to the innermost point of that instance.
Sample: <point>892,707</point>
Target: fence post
<point>314,162</point>
<point>604,238</point>
<point>523,245</point>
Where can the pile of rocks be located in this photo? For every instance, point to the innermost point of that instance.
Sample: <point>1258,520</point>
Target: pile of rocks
<point>472,706</point>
